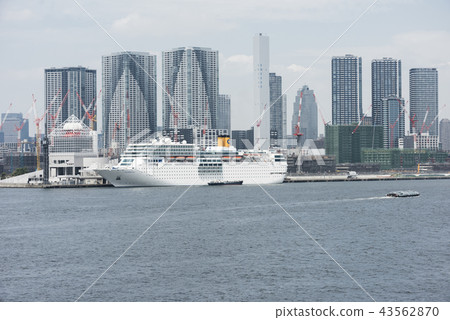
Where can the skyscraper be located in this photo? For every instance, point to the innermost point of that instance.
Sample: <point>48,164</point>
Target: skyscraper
<point>308,117</point>
<point>444,134</point>
<point>346,99</point>
<point>191,88</point>
<point>277,112</point>
<point>75,82</point>
<point>423,100</point>
<point>393,123</point>
<point>129,97</point>
<point>224,113</point>
<point>386,81</point>
<point>10,125</point>
<point>261,90</point>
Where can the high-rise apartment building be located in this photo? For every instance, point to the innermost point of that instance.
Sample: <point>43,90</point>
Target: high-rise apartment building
<point>423,100</point>
<point>308,116</point>
<point>277,112</point>
<point>386,81</point>
<point>71,85</point>
<point>190,88</point>
<point>444,134</point>
<point>393,123</point>
<point>261,90</point>
<point>224,112</point>
<point>346,83</point>
<point>129,97</point>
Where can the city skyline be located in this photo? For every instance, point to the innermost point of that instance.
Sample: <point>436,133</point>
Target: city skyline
<point>417,42</point>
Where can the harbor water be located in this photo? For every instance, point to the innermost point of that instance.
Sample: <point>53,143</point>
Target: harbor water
<point>227,243</point>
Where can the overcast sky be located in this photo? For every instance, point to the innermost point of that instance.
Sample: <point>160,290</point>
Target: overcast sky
<point>35,35</point>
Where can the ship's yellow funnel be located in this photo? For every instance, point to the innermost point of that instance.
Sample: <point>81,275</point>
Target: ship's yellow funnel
<point>223,141</point>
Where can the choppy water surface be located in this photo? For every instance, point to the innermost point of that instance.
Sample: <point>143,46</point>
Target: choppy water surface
<point>229,243</point>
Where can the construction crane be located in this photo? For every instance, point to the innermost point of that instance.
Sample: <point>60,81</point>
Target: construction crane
<point>6,115</point>
<point>297,132</point>
<point>320,110</point>
<point>91,116</point>
<point>38,135</point>
<point>54,117</point>
<point>37,121</point>
<point>19,128</point>
<point>362,119</point>
<point>117,126</point>
<point>94,115</point>
<point>258,122</point>
<point>424,120</point>
<point>412,119</point>
<point>391,128</point>
<point>427,128</point>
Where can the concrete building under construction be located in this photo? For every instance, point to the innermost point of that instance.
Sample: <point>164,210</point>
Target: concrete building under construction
<point>346,142</point>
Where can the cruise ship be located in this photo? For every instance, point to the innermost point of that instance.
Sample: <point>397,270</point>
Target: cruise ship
<point>163,162</point>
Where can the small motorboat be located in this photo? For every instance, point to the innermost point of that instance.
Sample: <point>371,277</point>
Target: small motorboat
<point>225,183</point>
<point>403,194</point>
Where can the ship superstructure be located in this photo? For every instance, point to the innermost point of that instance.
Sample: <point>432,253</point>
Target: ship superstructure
<point>163,162</point>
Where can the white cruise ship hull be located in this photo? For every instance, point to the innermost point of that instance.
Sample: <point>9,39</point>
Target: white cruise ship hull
<point>188,174</point>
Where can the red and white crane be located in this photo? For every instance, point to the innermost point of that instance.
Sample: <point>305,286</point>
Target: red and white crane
<point>19,128</point>
<point>435,118</point>
<point>258,122</point>
<point>37,121</point>
<point>320,111</point>
<point>297,132</point>
<point>424,120</point>
<point>91,116</point>
<point>362,119</point>
<point>54,117</point>
<point>117,126</point>
<point>391,132</point>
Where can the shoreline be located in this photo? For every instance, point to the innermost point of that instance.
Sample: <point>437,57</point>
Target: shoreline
<point>288,179</point>
<point>368,177</point>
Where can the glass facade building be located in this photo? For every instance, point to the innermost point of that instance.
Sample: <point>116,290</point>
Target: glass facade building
<point>11,122</point>
<point>261,90</point>
<point>277,112</point>
<point>444,134</point>
<point>423,100</point>
<point>70,85</point>
<point>393,123</point>
<point>224,112</point>
<point>129,98</point>
<point>346,91</point>
<point>386,81</point>
<point>308,117</point>
<point>190,78</point>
